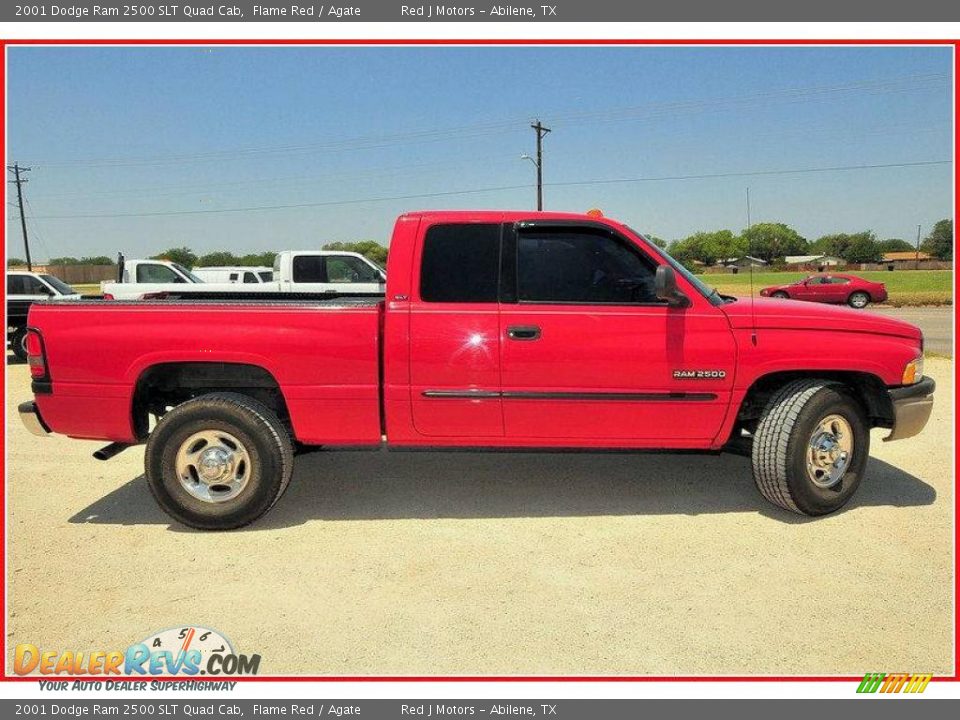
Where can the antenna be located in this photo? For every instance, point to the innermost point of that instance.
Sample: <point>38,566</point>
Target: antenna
<point>753,314</point>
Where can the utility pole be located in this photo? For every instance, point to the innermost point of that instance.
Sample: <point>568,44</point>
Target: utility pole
<point>18,181</point>
<point>916,256</point>
<point>541,132</point>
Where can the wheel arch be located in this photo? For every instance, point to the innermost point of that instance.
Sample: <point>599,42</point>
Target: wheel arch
<point>869,390</point>
<point>167,384</point>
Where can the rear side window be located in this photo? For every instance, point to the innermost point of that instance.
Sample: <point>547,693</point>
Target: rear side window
<point>839,281</point>
<point>309,269</point>
<point>460,263</point>
<point>249,277</point>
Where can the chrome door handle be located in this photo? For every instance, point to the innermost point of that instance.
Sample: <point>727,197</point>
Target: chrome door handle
<point>523,332</point>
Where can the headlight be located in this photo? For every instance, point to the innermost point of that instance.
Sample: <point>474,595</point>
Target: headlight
<point>913,372</point>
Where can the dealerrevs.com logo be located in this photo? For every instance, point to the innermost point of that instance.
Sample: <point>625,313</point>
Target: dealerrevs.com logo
<point>894,683</point>
<point>189,651</point>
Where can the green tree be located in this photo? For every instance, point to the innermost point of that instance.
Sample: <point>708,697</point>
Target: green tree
<point>852,247</point>
<point>863,248</point>
<point>264,259</point>
<point>709,247</point>
<point>67,260</point>
<point>939,243</point>
<point>217,258</point>
<point>770,241</point>
<point>16,262</point>
<point>659,242</point>
<point>183,255</point>
<point>96,260</point>
<point>894,245</point>
<point>368,248</point>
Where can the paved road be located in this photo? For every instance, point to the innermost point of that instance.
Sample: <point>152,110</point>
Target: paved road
<point>936,323</point>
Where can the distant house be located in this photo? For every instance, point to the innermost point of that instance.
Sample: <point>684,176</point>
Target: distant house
<point>817,261</point>
<point>902,256</point>
<point>744,261</point>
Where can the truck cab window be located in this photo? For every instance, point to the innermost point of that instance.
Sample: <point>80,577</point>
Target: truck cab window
<point>249,277</point>
<point>460,263</point>
<point>348,269</point>
<point>16,285</point>
<point>35,287</point>
<point>580,266</point>
<point>150,273</point>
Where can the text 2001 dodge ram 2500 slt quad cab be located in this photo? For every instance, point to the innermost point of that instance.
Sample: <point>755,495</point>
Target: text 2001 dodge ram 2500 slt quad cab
<point>498,330</point>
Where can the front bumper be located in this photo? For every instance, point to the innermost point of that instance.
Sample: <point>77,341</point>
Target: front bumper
<point>30,417</point>
<point>912,405</point>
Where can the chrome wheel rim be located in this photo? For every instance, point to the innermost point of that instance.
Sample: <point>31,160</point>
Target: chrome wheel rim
<point>830,451</point>
<point>859,300</point>
<point>213,466</point>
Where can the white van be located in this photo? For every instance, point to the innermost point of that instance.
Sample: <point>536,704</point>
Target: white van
<point>241,275</point>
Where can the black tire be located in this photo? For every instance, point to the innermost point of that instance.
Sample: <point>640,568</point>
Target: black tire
<point>782,443</point>
<point>18,344</point>
<point>858,300</point>
<point>780,295</point>
<point>262,437</point>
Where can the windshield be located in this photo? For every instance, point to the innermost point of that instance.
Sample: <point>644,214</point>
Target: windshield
<point>708,292</point>
<point>187,273</point>
<point>60,286</point>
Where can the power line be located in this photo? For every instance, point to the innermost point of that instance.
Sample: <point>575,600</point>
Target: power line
<point>473,191</point>
<point>194,188</point>
<point>35,228</point>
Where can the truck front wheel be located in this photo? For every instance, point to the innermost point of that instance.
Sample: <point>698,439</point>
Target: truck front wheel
<point>219,461</point>
<point>811,447</point>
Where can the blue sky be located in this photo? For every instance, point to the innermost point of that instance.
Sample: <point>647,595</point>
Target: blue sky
<point>163,136</point>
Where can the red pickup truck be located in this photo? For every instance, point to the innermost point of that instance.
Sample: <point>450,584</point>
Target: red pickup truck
<point>498,330</point>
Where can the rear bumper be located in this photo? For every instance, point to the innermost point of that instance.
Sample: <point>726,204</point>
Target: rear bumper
<point>30,417</point>
<point>912,406</point>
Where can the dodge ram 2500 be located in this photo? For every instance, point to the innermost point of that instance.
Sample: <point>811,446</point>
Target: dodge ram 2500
<point>498,330</point>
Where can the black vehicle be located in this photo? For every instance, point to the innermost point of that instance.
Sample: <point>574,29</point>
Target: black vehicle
<point>24,289</point>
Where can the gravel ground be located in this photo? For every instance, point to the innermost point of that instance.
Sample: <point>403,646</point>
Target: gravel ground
<point>483,563</point>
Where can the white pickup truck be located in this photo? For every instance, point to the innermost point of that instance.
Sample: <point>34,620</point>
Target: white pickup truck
<point>236,275</point>
<point>331,272</point>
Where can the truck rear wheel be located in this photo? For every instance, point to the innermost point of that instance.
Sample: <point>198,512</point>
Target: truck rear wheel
<point>219,461</point>
<point>18,343</point>
<point>811,447</point>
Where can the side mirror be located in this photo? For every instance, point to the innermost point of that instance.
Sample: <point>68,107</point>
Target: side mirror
<point>665,284</point>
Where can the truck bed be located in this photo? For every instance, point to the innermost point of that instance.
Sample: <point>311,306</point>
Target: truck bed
<point>324,354</point>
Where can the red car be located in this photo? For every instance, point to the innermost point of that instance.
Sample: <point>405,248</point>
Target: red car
<point>850,289</point>
<point>498,330</point>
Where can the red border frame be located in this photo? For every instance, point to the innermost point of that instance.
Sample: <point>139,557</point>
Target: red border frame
<point>492,42</point>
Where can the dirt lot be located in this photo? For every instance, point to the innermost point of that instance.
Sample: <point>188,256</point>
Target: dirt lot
<point>453,563</point>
